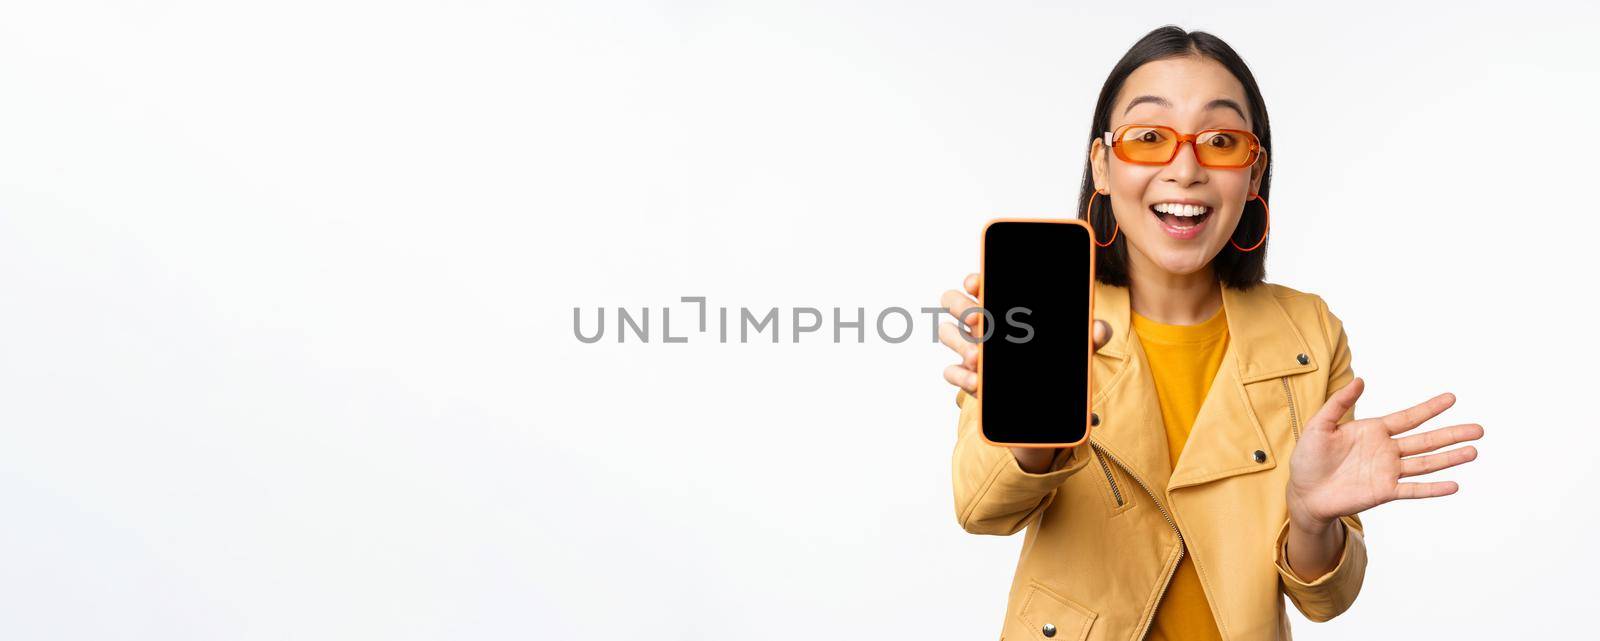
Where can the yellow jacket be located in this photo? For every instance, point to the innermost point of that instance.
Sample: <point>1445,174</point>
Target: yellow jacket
<point>1103,522</point>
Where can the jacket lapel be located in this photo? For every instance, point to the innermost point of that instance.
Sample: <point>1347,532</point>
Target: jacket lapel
<point>1263,344</point>
<point>1124,395</point>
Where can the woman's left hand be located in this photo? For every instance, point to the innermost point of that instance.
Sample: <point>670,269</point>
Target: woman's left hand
<point>1339,470</point>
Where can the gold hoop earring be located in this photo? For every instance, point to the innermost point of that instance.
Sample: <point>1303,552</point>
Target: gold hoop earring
<point>1267,214</point>
<point>1088,215</point>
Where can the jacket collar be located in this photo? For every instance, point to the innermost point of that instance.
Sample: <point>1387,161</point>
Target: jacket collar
<point>1260,333</point>
<point>1263,344</point>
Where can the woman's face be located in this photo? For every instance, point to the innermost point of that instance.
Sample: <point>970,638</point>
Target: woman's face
<point>1189,94</point>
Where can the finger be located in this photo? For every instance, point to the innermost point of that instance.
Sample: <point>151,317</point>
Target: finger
<point>1443,437</point>
<point>1408,419</point>
<point>1425,490</point>
<point>958,303</point>
<point>1337,405</point>
<point>971,284</point>
<point>1435,462</point>
<point>952,338</point>
<point>1102,334</point>
<point>962,377</point>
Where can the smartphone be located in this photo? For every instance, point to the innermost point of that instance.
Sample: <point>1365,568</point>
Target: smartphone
<point>1037,292</point>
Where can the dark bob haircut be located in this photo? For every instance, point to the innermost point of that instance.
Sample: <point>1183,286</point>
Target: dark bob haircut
<point>1236,269</point>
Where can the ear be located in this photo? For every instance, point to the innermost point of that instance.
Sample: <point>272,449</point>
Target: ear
<point>1258,171</point>
<point>1097,165</point>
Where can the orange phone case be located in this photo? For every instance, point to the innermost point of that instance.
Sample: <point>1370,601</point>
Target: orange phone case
<point>983,274</point>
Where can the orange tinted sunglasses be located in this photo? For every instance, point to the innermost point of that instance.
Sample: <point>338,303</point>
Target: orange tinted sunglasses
<point>1158,145</point>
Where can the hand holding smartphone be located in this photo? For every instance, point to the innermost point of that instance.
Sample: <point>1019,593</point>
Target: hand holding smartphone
<point>1037,295</point>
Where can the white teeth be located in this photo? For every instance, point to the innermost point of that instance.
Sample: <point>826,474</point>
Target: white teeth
<point>1181,210</point>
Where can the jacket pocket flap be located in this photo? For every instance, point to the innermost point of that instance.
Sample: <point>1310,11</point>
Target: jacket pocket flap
<point>1051,617</point>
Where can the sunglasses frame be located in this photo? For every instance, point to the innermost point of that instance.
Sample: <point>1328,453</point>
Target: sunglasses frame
<point>1114,141</point>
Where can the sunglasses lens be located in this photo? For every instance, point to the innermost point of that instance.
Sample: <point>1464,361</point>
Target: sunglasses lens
<point>1147,144</point>
<point>1223,149</point>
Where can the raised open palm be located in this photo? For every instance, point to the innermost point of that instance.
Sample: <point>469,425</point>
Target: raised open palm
<point>1340,470</point>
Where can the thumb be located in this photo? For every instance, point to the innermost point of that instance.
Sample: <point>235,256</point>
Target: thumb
<point>1338,404</point>
<point>1102,334</point>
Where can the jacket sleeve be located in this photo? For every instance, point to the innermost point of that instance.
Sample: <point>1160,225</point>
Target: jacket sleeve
<point>1330,594</point>
<point>993,494</point>
<point>1340,373</point>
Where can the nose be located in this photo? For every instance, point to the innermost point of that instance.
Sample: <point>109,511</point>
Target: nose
<point>1185,168</point>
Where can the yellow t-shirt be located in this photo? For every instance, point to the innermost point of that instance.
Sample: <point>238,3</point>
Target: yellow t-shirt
<point>1183,361</point>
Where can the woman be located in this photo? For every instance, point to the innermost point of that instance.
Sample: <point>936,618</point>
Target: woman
<point>1225,467</point>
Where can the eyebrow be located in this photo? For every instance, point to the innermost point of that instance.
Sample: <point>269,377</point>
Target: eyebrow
<point>1158,100</point>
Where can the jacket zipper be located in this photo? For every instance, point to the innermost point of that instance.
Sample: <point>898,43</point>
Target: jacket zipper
<point>1115,493</point>
<point>1294,415</point>
<point>1182,546</point>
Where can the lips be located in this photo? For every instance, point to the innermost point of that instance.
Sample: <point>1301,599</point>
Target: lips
<point>1181,215</point>
<point>1181,220</point>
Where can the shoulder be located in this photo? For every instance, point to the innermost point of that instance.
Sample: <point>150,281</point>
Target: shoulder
<point>1307,310</point>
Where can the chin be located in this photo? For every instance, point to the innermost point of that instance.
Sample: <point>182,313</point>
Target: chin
<point>1184,263</point>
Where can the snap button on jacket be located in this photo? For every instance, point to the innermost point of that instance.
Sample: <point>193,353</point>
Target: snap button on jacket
<point>1107,523</point>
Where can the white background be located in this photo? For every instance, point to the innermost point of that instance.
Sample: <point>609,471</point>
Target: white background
<point>286,298</point>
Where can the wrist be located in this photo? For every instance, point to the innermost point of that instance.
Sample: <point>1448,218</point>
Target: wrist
<point>1305,522</point>
<point>1034,460</point>
<point>1312,553</point>
<point>1313,527</point>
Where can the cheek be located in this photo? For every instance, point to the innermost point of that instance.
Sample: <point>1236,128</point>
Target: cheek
<point>1128,185</point>
<point>1235,192</point>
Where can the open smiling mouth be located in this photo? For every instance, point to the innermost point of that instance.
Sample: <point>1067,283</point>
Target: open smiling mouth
<point>1181,216</point>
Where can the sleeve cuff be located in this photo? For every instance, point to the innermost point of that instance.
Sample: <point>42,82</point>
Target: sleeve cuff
<point>1289,576</point>
<point>1332,593</point>
<point>1066,462</point>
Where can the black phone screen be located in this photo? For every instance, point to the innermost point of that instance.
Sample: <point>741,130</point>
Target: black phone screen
<point>1037,289</point>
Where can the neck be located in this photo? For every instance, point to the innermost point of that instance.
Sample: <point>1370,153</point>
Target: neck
<point>1169,298</point>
